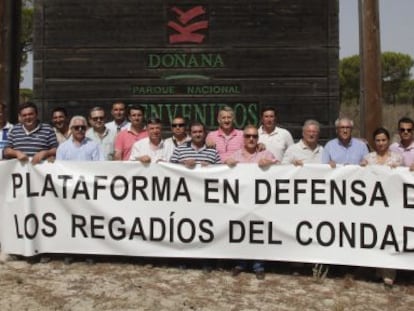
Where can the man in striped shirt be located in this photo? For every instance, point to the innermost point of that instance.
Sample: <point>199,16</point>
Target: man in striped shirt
<point>195,151</point>
<point>30,138</point>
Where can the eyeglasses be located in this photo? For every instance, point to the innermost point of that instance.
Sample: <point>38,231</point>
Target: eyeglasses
<point>97,119</point>
<point>254,136</point>
<point>345,127</point>
<point>79,128</point>
<point>402,130</point>
<point>177,125</point>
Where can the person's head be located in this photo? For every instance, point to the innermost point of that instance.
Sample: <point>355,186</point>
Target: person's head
<point>154,128</point>
<point>225,118</point>
<point>344,128</point>
<point>60,118</point>
<point>381,140</point>
<point>310,132</point>
<point>405,130</point>
<point>28,115</point>
<point>178,127</point>
<point>197,133</point>
<point>97,118</point>
<point>136,115</point>
<point>78,126</point>
<point>251,136</point>
<point>118,112</point>
<point>268,118</point>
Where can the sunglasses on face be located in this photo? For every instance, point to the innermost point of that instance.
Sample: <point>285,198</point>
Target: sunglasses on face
<point>254,136</point>
<point>97,118</point>
<point>79,128</point>
<point>402,130</point>
<point>177,125</point>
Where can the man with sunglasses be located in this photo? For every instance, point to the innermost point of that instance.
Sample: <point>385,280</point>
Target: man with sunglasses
<point>250,154</point>
<point>406,145</point>
<point>99,133</point>
<point>79,147</point>
<point>179,133</point>
<point>30,138</point>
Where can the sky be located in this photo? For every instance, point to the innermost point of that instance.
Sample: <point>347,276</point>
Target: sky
<point>396,29</point>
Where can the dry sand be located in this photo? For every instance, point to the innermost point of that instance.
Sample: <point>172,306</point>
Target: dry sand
<point>128,284</point>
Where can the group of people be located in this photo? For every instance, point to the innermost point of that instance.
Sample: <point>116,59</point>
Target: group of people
<point>128,137</point>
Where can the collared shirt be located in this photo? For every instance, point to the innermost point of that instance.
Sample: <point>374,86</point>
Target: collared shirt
<point>117,128</point>
<point>187,152</point>
<point>242,156</point>
<point>144,147</point>
<point>4,133</point>
<point>406,153</point>
<point>300,151</point>
<point>352,153</point>
<point>87,150</point>
<point>41,138</point>
<point>125,139</point>
<point>106,141</point>
<point>174,143</point>
<point>226,145</point>
<point>62,137</point>
<point>277,141</point>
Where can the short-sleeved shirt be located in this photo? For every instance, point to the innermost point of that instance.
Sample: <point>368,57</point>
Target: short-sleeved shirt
<point>301,151</point>
<point>62,137</point>
<point>118,128</point>
<point>4,134</point>
<point>336,151</point>
<point>187,151</point>
<point>277,141</point>
<point>243,156</point>
<point>406,153</point>
<point>226,145</point>
<point>87,150</point>
<point>41,138</point>
<point>143,147</point>
<point>106,141</point>
<point>125,139</point>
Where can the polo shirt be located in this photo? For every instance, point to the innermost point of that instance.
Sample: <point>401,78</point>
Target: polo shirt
<point>301,151</point>
<point>226,145</point>
<point>187,151</point>
<point>125,139</point>
<point>41,138</point>
<point>87,150</point>
<point>243,156</point>
<point>160,152</point>
<point>352,153</point>
<point>406,153</point>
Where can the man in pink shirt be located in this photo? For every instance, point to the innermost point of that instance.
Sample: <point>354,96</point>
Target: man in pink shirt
<point>406,145</point>
<point>250,154</point>
<point>136,131</point>
<point>226,139</point>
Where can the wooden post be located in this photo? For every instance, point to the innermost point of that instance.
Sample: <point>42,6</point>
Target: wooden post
<point>10,55</point>
<point>370,56</point>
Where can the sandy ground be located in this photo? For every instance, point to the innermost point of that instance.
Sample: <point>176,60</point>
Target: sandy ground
<point>127,284</point>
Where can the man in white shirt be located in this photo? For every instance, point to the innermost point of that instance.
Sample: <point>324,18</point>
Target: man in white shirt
<point>120,120</point>
<point>307,150</point>
<point>151,148</point>
<point>5,127</point>
<point>179,133</point>
<point>276,139</point>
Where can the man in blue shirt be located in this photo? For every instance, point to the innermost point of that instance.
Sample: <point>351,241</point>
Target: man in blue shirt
<point>79,147</point>
<point>344,149</point>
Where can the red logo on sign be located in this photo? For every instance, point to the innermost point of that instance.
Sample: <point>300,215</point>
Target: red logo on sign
<point>187,30</point>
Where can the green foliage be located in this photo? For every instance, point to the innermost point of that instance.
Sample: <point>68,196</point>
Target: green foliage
<point>26,32</point>
<point>396,83</point>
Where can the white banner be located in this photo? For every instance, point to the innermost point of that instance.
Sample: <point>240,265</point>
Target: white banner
<point>349,215</point>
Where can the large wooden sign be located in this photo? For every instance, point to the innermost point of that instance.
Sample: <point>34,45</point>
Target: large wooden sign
<point>190,57</point>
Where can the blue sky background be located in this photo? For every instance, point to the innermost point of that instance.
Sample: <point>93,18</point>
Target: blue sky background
<point>396,27</point>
